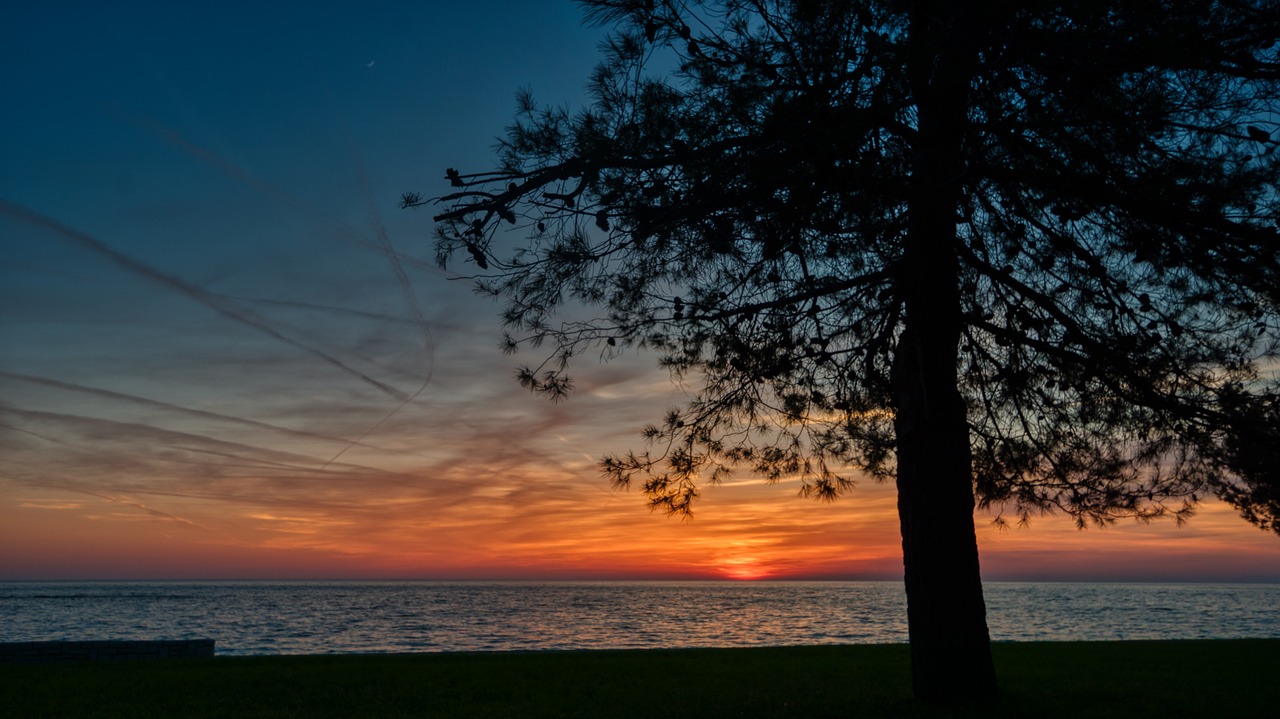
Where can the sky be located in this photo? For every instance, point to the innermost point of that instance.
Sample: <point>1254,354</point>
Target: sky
<point>225,352</point>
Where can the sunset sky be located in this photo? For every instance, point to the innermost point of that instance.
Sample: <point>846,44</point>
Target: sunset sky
<point>226,353</point>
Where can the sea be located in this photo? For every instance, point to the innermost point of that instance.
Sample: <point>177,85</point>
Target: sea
<point>260,617</point>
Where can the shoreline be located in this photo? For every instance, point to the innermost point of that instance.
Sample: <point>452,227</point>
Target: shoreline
<point>126,650</point>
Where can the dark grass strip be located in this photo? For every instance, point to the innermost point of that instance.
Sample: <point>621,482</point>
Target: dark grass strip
<point>1219,678</point>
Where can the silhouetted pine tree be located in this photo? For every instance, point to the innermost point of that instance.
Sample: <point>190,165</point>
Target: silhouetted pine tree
<point>1021,250</point>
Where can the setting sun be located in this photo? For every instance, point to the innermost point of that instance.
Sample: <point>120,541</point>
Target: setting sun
<point>744,568</point>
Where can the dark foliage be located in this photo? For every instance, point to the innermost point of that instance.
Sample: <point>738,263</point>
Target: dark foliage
<point>1048,229</point>
<point>744,214</point>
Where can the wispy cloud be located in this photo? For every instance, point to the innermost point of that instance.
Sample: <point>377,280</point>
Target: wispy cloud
<point>49,504</point>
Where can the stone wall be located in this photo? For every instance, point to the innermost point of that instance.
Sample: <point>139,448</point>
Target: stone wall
<point>102,651</point>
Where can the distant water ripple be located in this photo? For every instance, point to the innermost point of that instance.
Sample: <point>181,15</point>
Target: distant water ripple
<point>340,617</point>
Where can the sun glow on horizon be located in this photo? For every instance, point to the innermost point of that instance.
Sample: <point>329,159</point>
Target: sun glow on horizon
<point>744,568</point>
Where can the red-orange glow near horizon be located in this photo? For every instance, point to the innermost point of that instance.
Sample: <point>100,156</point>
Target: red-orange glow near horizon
<point>546,529</point>
<point>740,534</point>
<point>745,568</point>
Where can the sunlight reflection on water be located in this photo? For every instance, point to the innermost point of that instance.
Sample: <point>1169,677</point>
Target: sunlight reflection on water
<point>327,617</point>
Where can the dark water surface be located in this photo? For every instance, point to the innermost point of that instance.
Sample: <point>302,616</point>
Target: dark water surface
<point>328,617</point>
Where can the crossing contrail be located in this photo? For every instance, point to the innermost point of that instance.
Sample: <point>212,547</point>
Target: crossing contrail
<point>183,287</point>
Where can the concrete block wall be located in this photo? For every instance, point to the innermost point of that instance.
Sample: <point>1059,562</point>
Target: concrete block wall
<point>102,651</point>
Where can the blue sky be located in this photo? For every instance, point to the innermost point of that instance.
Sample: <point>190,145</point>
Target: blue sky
<point>238,167</point>
<point>224,351</point>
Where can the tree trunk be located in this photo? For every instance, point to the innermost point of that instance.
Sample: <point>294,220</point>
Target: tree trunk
<point>950,646</point>
<point>946,615</point>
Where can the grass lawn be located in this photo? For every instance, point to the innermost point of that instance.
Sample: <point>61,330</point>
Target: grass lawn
<point>1219,678</point>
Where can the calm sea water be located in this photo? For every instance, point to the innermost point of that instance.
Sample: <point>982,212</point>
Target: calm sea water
<point>329,617</point>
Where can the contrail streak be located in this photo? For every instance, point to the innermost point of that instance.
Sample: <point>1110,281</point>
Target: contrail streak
<point>324,308</point>
<point>176,439</point>
<point>204,414</point>
<point>182,287</point>
<point>411,301</point>
<point>177,139</point>
<point>382,246</point>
